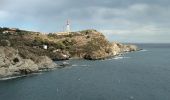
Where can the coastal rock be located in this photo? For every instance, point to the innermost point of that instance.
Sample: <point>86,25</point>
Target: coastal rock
<point>4,72</point>
<point>45,62</point>
<point>115,49</point>
<point>27,66</point>
<point>96,55</point>
<point>12,64</point>
<point>128,48</point>
<point>60,56</point>
<point>132,48</point>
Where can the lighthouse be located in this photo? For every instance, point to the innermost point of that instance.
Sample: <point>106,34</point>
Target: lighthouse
<point>66,29</point>
<point>68,26</point>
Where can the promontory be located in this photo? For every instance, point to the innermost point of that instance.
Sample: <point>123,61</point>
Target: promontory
<point>23,52</point>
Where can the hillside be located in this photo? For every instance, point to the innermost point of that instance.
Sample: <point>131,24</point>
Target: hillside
<point>87,44</point>
<point>23,52</point>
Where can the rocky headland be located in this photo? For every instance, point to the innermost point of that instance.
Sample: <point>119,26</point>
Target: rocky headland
<point>24,52</point>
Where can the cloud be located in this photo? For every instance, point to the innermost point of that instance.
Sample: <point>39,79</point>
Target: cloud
<point>139,19</point>
<point>140,34</point>
<point>4,14</point>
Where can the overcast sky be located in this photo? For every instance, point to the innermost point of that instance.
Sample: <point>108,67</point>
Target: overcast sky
<point>120,20</point>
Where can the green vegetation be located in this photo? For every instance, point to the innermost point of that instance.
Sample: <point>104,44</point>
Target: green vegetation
<point>86,32</point>
<point>60,45</point>
<point>96,44</point>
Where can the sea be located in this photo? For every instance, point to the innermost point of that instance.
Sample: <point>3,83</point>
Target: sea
<point>141,75</point>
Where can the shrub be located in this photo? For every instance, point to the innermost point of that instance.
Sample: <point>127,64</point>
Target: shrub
<point>59,45</point>
<point>5,43</point>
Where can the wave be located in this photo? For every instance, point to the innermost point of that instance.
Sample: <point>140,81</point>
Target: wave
<point>144,50</point>
<point>19,76</point>
<point>120,57</point>
<point>12,77</point>
<point>117,58</point>
<point>79,65</point>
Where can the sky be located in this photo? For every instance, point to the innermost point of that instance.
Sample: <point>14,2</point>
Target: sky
<point>139,21</point>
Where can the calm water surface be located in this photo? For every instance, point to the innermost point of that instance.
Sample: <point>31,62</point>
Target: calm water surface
<point>143,75</point>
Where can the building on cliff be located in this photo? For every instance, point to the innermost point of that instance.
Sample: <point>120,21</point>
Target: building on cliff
<point>66,30</point>
<point>45,47</point>
<point>10,30</point>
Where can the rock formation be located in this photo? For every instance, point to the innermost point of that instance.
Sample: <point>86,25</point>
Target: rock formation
<point>12,64</point>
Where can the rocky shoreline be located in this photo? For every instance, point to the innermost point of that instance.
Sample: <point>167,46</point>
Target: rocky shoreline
<point>22,52</point>
<point>12,64</point>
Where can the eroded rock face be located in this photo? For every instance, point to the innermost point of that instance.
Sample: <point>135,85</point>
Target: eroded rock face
<point>132,48</point>
<point>12,64</point>
<point>27,66</point>
<point>97,55</point>
<point>127,48</point>
<point>45,62</point>
<point>93,45</point>
<point>5,72</point>
<point>109,50</point>
<point>115,49</point>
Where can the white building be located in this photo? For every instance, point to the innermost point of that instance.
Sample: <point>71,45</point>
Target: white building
<point>45,47</point>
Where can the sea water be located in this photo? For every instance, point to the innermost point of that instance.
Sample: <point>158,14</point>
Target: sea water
<point>142,75</point>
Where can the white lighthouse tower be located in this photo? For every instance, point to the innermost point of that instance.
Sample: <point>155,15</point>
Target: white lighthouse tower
<point>68,26</point>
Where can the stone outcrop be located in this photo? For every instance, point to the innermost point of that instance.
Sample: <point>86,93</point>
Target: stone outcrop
<point>45,62</point>
<point>96,46</point>
<point>12,64</point>
<point>114,49</point>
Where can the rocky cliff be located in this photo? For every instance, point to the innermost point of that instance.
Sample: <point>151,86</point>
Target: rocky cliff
<point>12,64</point>
<point>24,52</point>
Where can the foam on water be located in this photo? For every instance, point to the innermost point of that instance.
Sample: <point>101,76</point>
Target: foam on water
<point>144,50</point>
<point>12,77</point>
<point>117,58</point>
<point>79,65</point>
<point>120,57</point>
